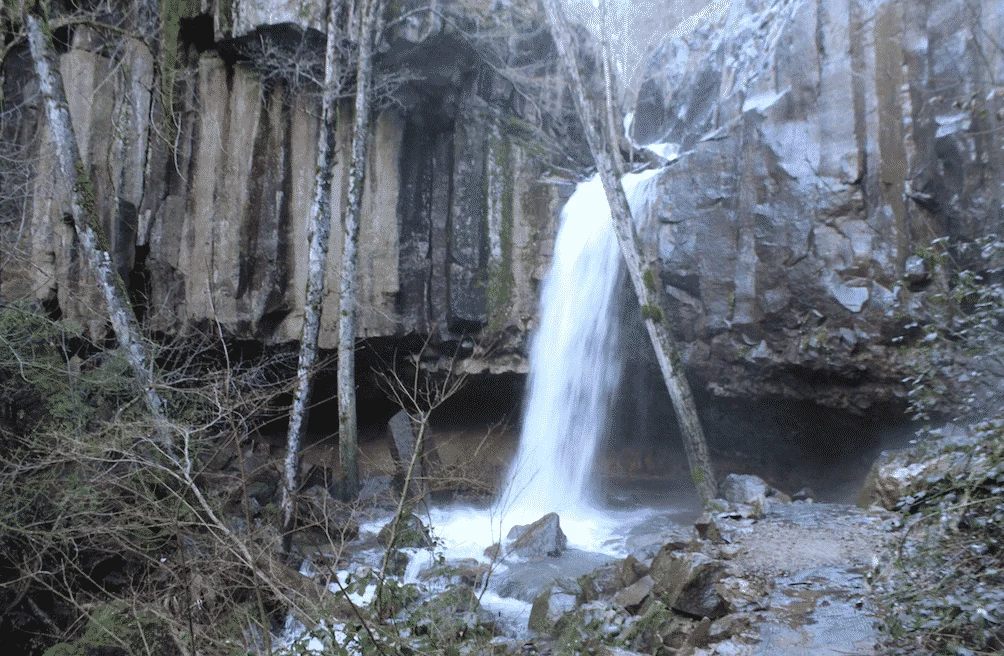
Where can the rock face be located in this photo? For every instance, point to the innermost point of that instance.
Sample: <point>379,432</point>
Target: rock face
<point>820,143</point>
<point>210,224</point>
<point>814,145</point>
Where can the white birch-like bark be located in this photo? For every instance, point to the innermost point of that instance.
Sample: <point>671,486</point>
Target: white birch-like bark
<point>644,275</point>
<point>318,233</point>
<point>87,223</point>
<point>348,442</point>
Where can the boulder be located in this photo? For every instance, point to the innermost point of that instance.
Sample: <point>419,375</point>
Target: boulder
<point>552,605</point>
<point>411,533</point>
<point>707,529</point>
<point>603,582</point>
<point>686,583</point>
<point>537,540</point>
<point>744,594</point>
<point>897,475</point>
<point>744,488</point>
<point>632,597</point>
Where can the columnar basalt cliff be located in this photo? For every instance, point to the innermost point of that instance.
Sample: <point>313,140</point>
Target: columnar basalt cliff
<point>815,145</point>
<point>207,211</point>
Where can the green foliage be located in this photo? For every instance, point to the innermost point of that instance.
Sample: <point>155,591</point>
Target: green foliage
<point>47,382</point>
<point>649,279</point>
<point>964,326</point>
<point>945,591</point>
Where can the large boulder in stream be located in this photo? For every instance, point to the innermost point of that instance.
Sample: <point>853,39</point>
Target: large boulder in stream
<point>537,540</point>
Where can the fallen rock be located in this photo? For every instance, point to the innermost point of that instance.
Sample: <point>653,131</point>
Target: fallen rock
<point>730,626</point>
<point>686,583</point>
<point>603,582</point>
<point>744,488</point>
<point>632,597</point>
<point>707,529</point>
<point>744,594</point>
<point>537,540</point>
<point>411,533</point>
<point>552,605</point>
<point>658,628</point>
<point>897,475</point>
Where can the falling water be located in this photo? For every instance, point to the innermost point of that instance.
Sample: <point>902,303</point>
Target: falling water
<point>575,358</point>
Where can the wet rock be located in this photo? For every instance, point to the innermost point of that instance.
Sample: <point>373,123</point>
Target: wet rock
<point>318,511</point>
<point>603,582</point>
<point>686,583</point>
<point>707,529</point>
<point>744,488</point>
<point>657,629</point>
<point>552,605</point>
<point>644,545</point>
<point>537,540</point>
<point>744,594</point>
<point>730,626</point>
<point>632,597</point>
<point>618,651</point>
<point>916,270</point>
<point>411,533</point>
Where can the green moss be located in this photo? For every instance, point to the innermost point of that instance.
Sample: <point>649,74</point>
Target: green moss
<point>652,313</point>
<point>649,279</point>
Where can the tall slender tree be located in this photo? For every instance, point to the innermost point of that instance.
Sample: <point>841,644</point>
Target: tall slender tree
<point>348,442</point>
<point>644,274</point>
<point>318,234</point>
<point>87,223</point>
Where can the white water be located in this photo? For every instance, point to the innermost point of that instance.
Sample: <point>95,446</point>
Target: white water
<point>575,362</point>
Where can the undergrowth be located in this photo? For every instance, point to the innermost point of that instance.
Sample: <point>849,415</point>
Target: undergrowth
<point>944,592</point>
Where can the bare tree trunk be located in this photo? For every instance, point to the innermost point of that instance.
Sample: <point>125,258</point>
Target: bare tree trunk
<point>644,275</point>
<point>87,223</point>
<point>319,232</point>
<point>348,443</point>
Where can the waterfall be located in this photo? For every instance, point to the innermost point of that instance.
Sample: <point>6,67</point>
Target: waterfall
<point>575,359</point>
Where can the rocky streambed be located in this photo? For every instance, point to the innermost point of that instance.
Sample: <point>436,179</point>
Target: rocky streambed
<point>757,574</point>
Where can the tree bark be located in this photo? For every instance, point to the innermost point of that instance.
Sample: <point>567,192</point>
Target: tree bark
<point>348,443</point>
<point>87,223</point>
<point>318,234</point>
<point>644,275</point>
